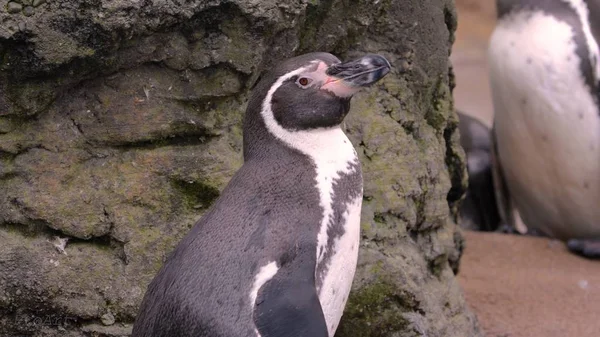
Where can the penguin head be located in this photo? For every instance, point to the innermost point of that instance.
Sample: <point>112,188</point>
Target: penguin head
<point>307,93</point>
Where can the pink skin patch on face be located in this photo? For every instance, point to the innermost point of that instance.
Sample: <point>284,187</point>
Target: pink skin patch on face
<point>339,88</point>
<point>334,85</point>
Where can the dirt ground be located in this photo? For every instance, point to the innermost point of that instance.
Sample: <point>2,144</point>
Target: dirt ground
<point>518,286</point>
<point>524,286</point>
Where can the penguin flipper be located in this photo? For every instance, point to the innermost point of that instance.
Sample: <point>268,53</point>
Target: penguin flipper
<point>589,248</point>
<point>288,305</point>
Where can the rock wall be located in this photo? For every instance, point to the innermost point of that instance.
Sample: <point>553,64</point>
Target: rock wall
<point>120,122</point>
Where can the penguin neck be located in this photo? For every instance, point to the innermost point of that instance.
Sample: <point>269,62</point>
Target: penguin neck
<point>324,146</point>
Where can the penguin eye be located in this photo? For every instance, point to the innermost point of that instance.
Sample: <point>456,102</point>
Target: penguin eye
<point>304,82</point>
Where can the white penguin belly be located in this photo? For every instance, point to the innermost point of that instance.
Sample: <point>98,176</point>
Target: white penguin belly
<point>547,126</point>
<point>337,282</point>
<point>335,159</point>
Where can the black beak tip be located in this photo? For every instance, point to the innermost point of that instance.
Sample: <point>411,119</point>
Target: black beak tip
<point>361,72</point>
<point>380,67</point>
<point>378,61</point>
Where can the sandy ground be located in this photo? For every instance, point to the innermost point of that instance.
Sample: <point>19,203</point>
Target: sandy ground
<point>518,286</point>
<point>524,286</point>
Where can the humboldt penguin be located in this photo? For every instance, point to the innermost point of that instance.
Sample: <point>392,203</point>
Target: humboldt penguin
<point>276,253</point>
<point>544,75</point>
<point>478,210</point>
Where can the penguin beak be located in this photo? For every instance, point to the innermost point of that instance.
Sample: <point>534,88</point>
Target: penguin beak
<point>345,79</point>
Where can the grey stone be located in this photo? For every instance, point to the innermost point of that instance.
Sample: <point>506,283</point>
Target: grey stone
<point>108,319</point>
<point>14,7</point>
<point>121,141</point>
<point>28,11</point>
<point>37,3</point>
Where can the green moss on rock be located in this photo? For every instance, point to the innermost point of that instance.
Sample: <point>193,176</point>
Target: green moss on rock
<point>30,98</point>
<point>375,310</point>
<point>197,195</point>
<point>99,137</point>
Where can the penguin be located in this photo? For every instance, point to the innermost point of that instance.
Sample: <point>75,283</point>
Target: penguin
<point>545,82</point>
<point>276,253</point>
<point>479,209</point>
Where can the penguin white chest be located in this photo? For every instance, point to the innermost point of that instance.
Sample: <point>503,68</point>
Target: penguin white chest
<point>547,124</point>
<point>339,181</point>
<point>340,268</point>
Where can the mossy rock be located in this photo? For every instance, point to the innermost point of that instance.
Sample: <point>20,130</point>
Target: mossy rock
<point>121,124</point>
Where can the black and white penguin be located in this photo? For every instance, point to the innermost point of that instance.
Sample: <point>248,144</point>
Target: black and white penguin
<point>478,210</point>
<point>276,253</point>
<point>545,81</point>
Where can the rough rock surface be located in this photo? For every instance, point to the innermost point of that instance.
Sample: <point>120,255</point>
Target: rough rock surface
<point>120,121</point>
